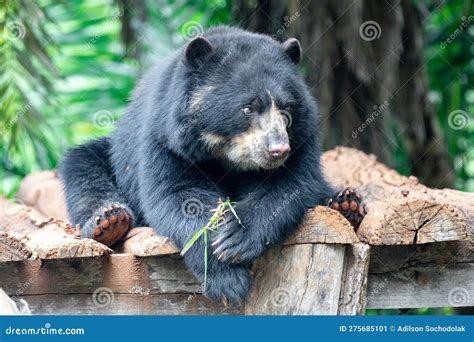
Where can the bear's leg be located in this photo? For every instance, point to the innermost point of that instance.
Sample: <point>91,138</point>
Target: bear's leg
<point>92,196</point>
<point>350,205</point>
<point>225,283</point>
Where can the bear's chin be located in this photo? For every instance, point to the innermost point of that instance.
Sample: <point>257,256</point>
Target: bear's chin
<point>271,165</point>
<point>251,165</point>
<point>263,164</point>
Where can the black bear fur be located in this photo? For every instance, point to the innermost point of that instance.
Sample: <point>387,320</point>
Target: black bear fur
<point>163,167</point>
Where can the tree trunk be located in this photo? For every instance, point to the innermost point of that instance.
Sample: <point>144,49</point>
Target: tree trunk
<point>364,63</point>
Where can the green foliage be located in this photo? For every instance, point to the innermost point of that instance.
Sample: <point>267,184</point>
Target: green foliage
<point>67,69</point>
<point>421,311</point>
<point>27,72</point>
<point>449,32</point>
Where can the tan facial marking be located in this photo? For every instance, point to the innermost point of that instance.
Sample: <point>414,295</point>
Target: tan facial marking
<point>213,140</point>
<point>246,150</point>
<point>197,97</point>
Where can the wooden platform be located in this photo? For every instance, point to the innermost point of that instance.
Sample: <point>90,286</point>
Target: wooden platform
<point>413,249</point>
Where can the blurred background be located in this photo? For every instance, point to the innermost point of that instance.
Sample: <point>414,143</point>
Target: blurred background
<point>392,77</point>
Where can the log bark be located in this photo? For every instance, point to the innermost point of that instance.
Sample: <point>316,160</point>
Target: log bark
<point>431,275</point>
<point>353,296</point>
<point>45,237</point>
<point>323,225</point>
<point>404,276</point>
<point>119,284</point>
<point>12,248</point>
<point>44,192</point>
<point>400,209</point>
<point>298,280</point>
<point>143,241</point>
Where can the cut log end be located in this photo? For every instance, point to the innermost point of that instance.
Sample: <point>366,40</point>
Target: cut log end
<point>412,222</point>
<point>324,225</point>
<point>401,211</point>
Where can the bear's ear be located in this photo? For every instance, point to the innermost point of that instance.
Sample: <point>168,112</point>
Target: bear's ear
<point>197,52</point>
<point>292,48</point>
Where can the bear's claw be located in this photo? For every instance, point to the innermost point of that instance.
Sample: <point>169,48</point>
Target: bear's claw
<point>112,224</point>
<point>233,244</point>
<point>350,205</point>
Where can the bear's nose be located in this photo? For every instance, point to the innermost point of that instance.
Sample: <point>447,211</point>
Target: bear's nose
<point>278,150</point>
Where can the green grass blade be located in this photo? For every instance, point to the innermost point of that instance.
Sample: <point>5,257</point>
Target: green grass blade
<point>191,242</point>
<point>205,259</point>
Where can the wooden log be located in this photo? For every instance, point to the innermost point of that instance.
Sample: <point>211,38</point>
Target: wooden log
<point>426,286</point>
<point>304,276</point>
<point>400,209</point>
<point>314,272</point>
<point>301,279</point>
<point>323,225</point>
<point>119,284</point>
<point>352,298</point>
<point>431,275</point>
<point>424,215</point>
<point>126,304</point>
<point>12,248</point>
<point>43,191</point>
<point>143,241</point>
<point>46,238</point>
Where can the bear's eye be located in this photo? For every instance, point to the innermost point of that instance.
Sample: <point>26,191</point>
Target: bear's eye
<point>247,110</point>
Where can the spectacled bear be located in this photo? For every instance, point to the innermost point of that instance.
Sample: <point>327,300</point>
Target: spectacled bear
<point>225,117</point>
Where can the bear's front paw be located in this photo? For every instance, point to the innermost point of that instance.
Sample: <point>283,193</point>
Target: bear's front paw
<point>230,285</point>
<point>232,243</point>
<point>109,224</point>
<point>350,205</point>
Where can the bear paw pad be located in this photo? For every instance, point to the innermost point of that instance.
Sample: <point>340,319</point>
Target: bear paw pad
<point>111,224</point>
<point>350,205</point>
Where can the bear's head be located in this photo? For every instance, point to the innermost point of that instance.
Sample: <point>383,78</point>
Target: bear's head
<point>247,106</point>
